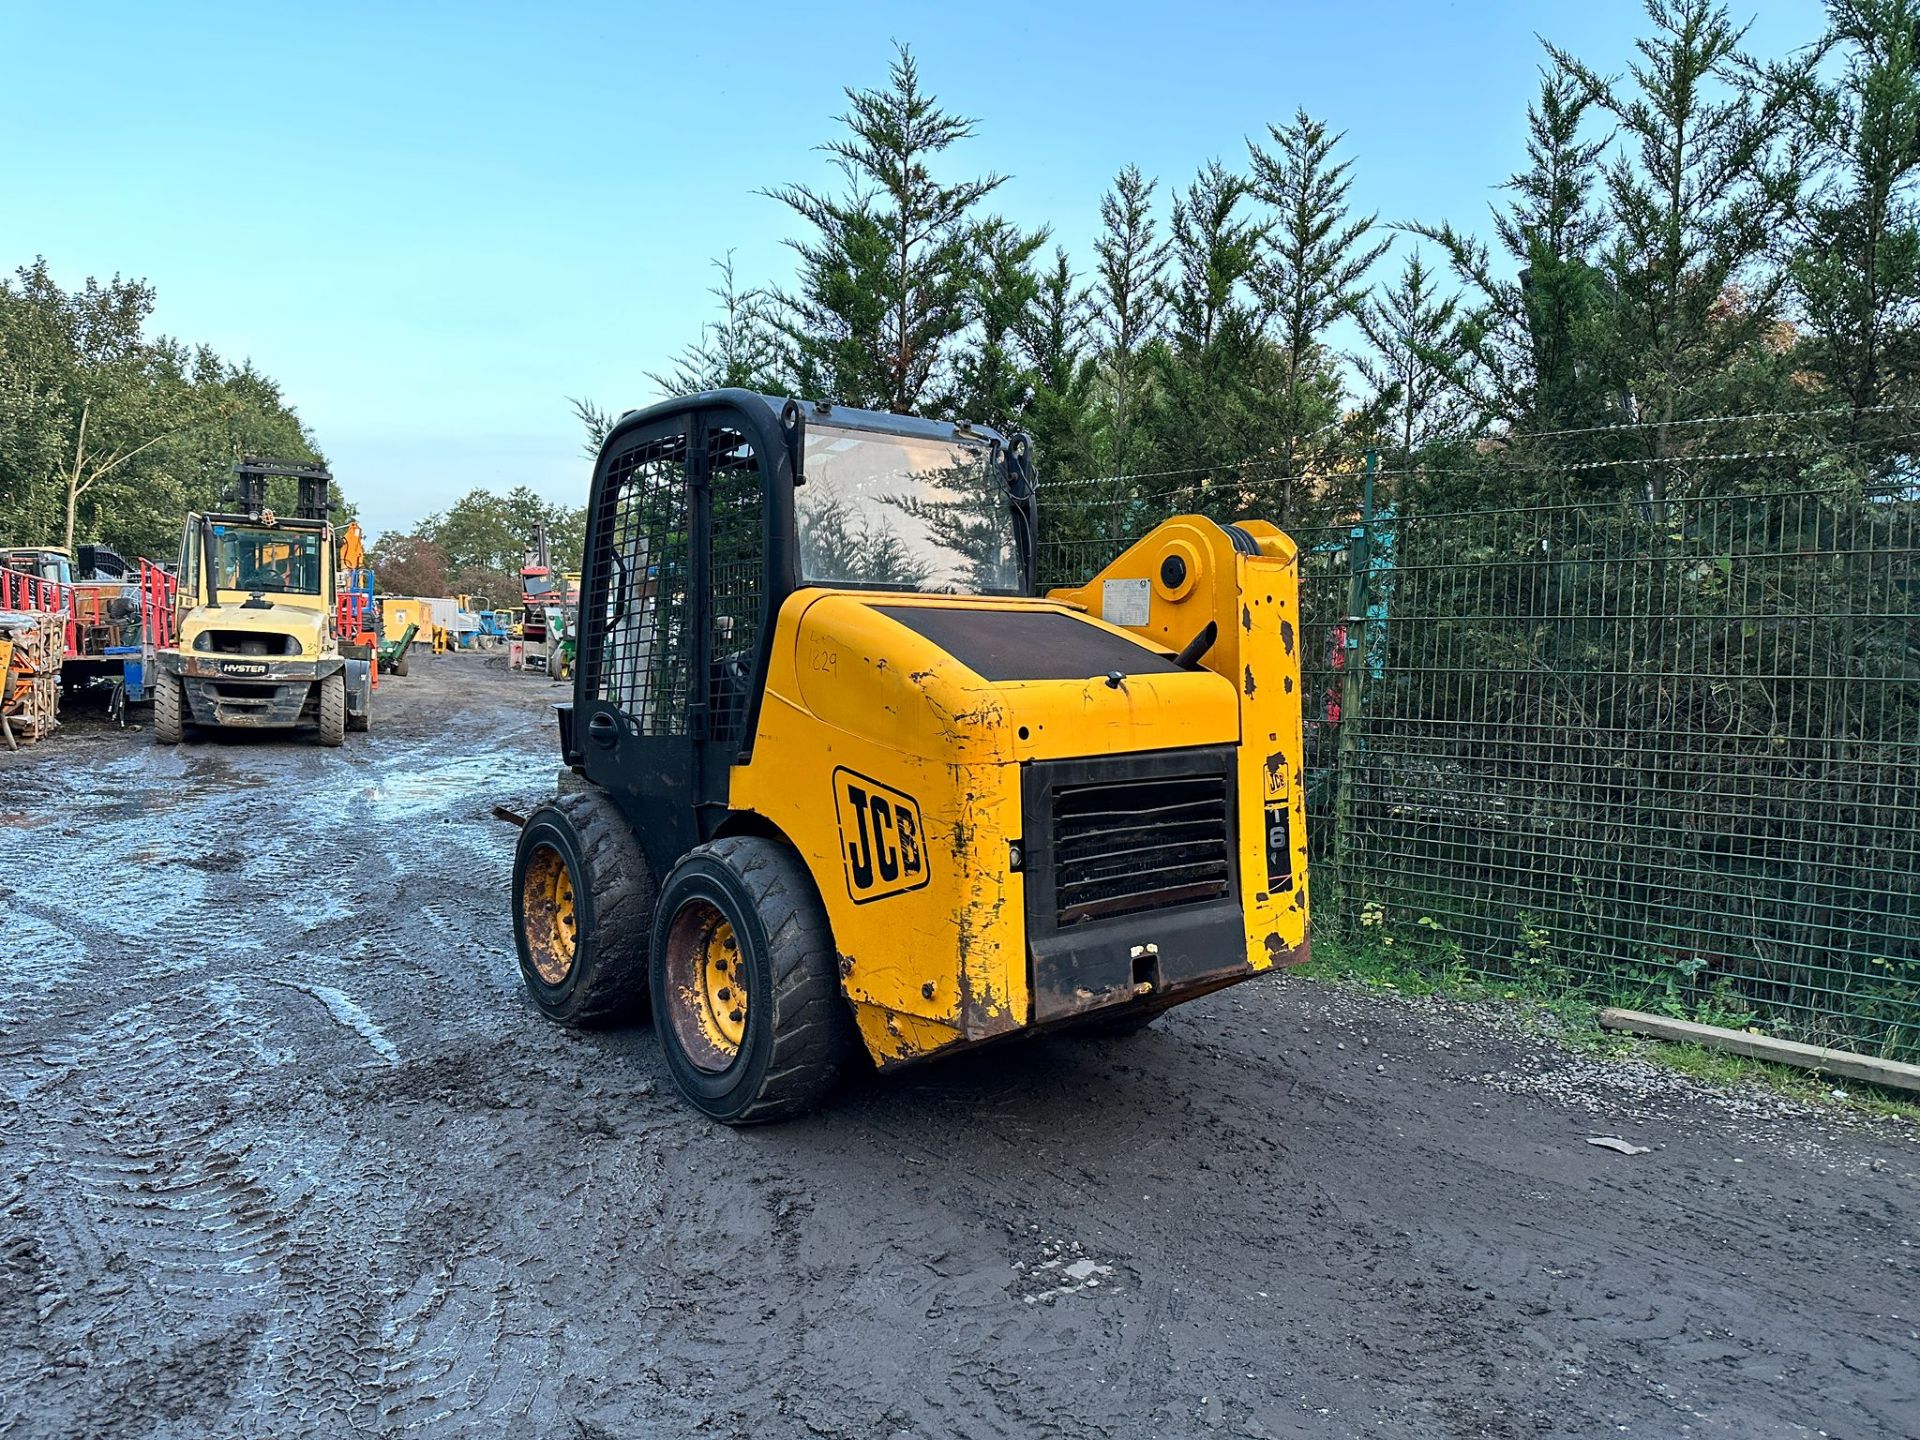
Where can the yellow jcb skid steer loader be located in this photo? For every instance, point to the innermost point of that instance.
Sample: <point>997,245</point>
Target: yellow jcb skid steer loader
<point>836,780</point>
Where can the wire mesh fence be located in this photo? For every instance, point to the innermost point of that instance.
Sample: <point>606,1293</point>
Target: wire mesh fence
<point>1665,753</point>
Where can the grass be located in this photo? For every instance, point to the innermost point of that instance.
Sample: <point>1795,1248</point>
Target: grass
<point>1405,971</point>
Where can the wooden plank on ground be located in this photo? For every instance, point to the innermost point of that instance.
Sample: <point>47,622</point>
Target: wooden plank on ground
<point>1892,1073</point>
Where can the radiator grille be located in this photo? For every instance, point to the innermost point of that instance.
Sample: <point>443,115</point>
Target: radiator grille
<point>1123,846</point>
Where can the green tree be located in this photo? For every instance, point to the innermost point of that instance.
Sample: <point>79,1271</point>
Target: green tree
<point>109,435</point>
<point>1856,273</point>
<point>1053,335</point>
<point>1311,275</point>
<point>1531,324</point>
<point>886,281</point>
<point>483,537</point>
<point>596,422</point>
<point>100,394</point>
<point>1129,301</point>
<point>1414,370</point>
<point>995,385</point>
<point>1707,170</point>
<point>1213,370</point>
<point>742,349</point>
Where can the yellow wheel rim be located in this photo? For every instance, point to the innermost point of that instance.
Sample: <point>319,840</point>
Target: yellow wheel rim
<point>548,915</point>
<point>706,986</point>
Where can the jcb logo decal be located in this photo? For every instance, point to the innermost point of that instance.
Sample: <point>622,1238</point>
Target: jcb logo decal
<point>880,838</point>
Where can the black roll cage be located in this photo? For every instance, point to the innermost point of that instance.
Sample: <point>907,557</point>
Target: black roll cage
<point>776,427</point>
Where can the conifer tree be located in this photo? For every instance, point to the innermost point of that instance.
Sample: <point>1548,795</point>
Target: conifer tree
<point>1129,302</point>
<point>1857,271</point>
<point>886,278</point>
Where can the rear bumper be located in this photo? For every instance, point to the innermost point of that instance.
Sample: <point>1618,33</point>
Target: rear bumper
<point>1136,959</point>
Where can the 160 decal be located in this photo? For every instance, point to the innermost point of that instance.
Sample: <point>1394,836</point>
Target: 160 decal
<point>880,837</point>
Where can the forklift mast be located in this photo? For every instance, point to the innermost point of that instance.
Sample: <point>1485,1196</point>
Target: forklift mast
<point>249,492</point>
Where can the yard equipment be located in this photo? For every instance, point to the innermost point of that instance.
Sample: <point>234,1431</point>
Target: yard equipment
<point>491,625</point>
<point>837,780</point>
<point>393,653</point>
<point>105,604</point>
<point>256,640</point>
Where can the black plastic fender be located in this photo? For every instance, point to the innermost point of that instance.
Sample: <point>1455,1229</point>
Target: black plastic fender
<point>359,687</point>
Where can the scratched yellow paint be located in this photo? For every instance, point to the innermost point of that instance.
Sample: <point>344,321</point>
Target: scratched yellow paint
<point>857,703</point>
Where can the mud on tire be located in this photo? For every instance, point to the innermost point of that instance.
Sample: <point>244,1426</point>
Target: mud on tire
<point>797,1029</point>
<point>169,710</point>
<point>593,969</point>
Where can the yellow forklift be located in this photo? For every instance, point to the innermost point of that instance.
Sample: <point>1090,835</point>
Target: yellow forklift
<point>257,641</point>
<point>837,781</point>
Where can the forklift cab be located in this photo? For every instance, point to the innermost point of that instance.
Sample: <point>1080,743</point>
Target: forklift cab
<point>705,515</point>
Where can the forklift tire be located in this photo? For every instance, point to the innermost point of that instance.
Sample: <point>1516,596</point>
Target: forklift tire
<point>333,710</point>
<point>582,911</point>
<point>399,667</point>
<point>169,710</point>
<point>739,920</point>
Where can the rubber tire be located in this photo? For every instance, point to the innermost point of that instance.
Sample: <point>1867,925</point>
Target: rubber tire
<point>169,710</point>
<point>333,710</point>
<point>400,666</point>
<point>800,1030</point>
<point>613,894</point>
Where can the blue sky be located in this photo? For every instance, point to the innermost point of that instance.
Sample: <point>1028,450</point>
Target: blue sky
<point>433,223</point>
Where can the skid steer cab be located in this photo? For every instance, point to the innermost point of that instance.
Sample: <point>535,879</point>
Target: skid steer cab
<point>257,642</point>
<point>838,782</point>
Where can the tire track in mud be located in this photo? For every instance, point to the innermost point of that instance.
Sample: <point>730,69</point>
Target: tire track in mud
<point>286,1151</point>
<point>159,1236</point>
<point>151,1227</point>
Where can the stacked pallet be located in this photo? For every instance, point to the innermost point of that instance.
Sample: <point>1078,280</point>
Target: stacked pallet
<point>30,676</point>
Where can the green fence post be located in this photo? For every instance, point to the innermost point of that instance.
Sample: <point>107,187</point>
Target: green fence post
<point>1353,669</point>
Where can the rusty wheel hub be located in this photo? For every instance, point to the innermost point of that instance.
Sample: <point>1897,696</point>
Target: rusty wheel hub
<point>706,986</point>
<point>552,923</point>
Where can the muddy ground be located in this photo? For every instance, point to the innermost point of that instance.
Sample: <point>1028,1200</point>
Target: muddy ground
<point>284,1152</point>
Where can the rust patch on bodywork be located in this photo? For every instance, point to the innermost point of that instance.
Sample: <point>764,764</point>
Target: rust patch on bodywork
<point>1249,682</point>
<point>1286,635</point>
<point>1282,955</point>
